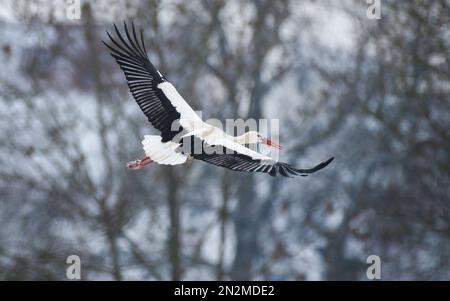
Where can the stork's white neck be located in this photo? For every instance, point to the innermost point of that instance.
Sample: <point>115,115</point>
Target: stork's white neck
<point>247,138</point>
<point>239,139</point>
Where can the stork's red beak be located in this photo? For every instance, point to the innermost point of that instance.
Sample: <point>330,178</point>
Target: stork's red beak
<point>271,143</point>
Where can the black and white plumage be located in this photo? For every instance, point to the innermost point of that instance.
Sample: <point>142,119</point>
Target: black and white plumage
<point>242,162</point>
<point>180,127</point>
<point>143,80</point>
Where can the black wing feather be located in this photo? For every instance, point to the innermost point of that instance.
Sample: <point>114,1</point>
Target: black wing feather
<point>226,158</point>
<point>143,79</point>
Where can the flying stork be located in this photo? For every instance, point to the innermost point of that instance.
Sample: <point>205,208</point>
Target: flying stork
<point>180,126</point>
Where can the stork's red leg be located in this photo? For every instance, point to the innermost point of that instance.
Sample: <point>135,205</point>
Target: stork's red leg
<point>138,164</point>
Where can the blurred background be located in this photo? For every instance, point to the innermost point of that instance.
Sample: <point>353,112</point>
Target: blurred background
<point>375,94</point>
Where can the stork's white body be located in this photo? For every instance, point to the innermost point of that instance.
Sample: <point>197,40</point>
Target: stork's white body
<point>165,152</point>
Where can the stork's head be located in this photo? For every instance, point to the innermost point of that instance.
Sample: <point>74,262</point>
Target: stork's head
<point>253,137</point>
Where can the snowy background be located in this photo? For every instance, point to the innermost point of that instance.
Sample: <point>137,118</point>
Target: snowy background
<point>375,94</point>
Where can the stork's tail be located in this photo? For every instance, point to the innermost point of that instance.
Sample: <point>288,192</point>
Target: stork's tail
<point>162,152</point>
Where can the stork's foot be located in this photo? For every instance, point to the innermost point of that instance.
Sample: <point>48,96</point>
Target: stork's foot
<point>138,164</point>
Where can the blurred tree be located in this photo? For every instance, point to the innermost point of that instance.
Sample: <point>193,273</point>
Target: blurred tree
<point>394,144</point>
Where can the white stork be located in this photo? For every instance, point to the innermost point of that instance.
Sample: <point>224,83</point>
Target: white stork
<point>168,112</point>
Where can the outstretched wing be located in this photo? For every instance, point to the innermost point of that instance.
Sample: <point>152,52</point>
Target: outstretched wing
<point>156,97</point>
<point>230,157</point>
